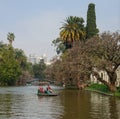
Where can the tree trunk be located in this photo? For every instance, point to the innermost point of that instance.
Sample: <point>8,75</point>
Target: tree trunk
<point>112,87</point>
<point>112,78</point>
<point>81,84</point>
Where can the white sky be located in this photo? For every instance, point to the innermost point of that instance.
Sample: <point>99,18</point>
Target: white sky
<point>36,23</point>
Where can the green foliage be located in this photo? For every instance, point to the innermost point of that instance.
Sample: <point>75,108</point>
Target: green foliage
<point>10,38</point>
<point>60,46</point>
<point>21,58</point>
<point>38,69</point>
<point>117,94</point>
<point>72,30</point>
<point>99,87</point>
<point>13,65</point>
<point>91,28</point>
<point>118,89</point>
<point>101,53</point>
<point>27,71</point>
<point>104,89</point>
<point>9,68</point>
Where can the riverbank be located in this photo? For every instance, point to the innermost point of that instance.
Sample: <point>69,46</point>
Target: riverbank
<point>100,88</point>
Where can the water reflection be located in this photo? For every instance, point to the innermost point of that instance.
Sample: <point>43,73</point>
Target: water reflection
<point>23,103</point>
<point>114,110</point>
<point>103,107</point>
<point>51,107</point>
<point>76,104</point>
<point>89,105</point>
<point>6,103</point>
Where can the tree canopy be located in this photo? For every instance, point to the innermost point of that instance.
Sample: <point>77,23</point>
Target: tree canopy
<point>9,68</point>
<point>13,66</point>
<point>86,58</point>
<point>38,69</point>
<point>72,30</point>
<point>91,27</point>
<point>10,37</point>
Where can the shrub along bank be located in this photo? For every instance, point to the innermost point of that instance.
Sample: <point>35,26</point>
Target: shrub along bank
<point>101,88</point>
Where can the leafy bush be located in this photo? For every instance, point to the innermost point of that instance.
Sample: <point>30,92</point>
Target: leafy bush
<point>99,87</point>
<point>118,89</point>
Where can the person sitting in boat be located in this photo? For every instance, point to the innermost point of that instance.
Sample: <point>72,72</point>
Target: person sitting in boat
<point>49,89</point>
<point>41,89</point>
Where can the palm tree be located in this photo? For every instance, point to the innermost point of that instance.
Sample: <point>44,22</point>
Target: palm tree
<point>10,38</point>
<point>72,30</point>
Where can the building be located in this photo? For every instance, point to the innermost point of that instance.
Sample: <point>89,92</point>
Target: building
<point>35,59</point>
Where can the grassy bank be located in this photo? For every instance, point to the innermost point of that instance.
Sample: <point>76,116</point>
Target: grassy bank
<point>101,88</point>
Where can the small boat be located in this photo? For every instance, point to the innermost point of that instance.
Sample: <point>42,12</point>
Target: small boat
<point>46,94</point>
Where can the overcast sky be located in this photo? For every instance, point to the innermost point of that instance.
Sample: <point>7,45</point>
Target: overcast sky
<point>36,23</point>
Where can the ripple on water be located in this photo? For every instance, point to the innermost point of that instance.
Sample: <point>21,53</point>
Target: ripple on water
<point>25,104</point>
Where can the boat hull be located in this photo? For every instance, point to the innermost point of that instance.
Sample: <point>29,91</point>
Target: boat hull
<point>45,94</point>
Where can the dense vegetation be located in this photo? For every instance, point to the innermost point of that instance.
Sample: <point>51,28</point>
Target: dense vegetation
<point>14,68</point>
<point>9,68</point>
<point>38,69</point>
<point>84,52</point>
<point>98,87</point>
<point>85,58</point>
<point>101,88</point>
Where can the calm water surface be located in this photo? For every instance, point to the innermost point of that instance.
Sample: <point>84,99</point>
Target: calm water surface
<point>23,103</point>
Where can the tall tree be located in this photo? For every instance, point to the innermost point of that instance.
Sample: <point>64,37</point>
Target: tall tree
<point>85,58</point>
<point>10,38</point>
<point>72,30</point>
<point>106,54</point>
<point>21,58</point>
<point>9,68</point>
<point>26,67</point>
<point>91,27</point>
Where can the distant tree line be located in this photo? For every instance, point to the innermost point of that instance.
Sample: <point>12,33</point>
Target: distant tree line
<point>14,67</point>
<point>38,69</point>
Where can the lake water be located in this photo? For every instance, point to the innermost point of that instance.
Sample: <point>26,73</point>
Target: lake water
<point>23,103</point>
